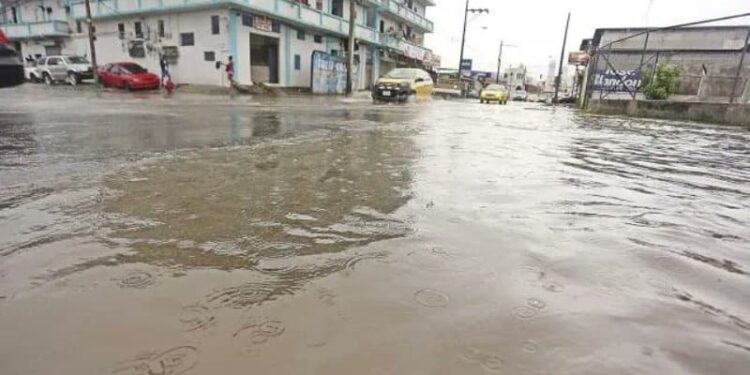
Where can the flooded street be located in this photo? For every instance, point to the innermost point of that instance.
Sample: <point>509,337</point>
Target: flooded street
<point>205,235</point>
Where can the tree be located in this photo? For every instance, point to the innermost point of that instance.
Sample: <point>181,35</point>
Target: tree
<point>662,83</point>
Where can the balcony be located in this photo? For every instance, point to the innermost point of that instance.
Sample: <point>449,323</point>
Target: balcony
<point>402,12</point>
<point>36,30</point>
<point>287,11</point>
<point>405,47</point>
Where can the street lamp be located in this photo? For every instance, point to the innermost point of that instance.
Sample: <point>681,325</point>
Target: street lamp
<point>463,36</point>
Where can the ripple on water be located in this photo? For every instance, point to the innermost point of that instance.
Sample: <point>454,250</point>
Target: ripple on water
<point>431,298</point>
<point>197,318</point>
<point>137,280</point>
<point>530,347</point>
<point>257,331</point>
<point>242,296</point>
<point>536,303</point>
<point>174,361</point>
<point>524,312</point>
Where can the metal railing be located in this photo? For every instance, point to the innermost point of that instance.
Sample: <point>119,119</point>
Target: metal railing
<point>31,30</point>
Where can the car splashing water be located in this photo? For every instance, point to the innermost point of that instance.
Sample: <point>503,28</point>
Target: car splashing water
<point>314,235</point>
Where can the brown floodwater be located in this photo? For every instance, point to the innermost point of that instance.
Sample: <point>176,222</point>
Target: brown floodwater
<point>204,235</point>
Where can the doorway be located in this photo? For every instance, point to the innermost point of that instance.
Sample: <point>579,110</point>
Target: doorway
<point>264,59</point>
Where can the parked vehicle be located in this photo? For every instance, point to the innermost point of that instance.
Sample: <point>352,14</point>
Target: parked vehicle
<point>70,69</point>
<point>11,65</point>
<point>31,70</point>
<point>401,84</point>
<point>127,75</point>
<point>494,93</point>
<point>520,96</point>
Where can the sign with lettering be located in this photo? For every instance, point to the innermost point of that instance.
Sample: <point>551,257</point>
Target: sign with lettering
<point>263,23</point>
<point>618,80</point>
<point>329,73</point>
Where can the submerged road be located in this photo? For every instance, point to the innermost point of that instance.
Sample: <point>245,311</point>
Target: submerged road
<point>208,235</point>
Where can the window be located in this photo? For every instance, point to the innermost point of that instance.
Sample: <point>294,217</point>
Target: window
<point>276,26</point>
<point>121,30</point>
<point>53,61</point>
<point>215,25</point>
<point>300,35</point>
<point>247,20</point>
<point>318,39</point>
<point>14,14</point>
<point>337,8</point>
<point>138,29</point>
<point>79,27</point>
<point>297,62</point>
<point>160,28</point>
<point>382,26</point>
<point>209,56</point>
<point>187,39</point>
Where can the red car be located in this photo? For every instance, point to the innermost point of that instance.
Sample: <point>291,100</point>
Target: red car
<point>127,75</point>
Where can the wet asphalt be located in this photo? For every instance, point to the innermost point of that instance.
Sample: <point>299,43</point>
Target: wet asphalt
<point>143,234</point>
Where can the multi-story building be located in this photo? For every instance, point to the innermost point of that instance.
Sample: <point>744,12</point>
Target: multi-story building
<point>271,41</point>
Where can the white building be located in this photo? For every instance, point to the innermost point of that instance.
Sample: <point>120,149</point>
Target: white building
<point>271,41</point>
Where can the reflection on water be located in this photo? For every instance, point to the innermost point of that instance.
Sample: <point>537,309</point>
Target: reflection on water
<point>333,238</point>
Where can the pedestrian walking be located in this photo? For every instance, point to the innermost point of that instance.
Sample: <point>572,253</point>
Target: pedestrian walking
<point>229,68</point>
<point>164,65</point>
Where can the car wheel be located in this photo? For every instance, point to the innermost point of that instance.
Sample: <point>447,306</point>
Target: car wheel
<point>48,79</point>
<point>72,79</point>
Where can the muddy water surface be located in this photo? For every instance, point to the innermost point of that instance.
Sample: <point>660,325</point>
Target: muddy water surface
<point>202,235</point>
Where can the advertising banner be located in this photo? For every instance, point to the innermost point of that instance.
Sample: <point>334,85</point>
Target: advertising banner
<point>608,80</point>
<point>329,74</point>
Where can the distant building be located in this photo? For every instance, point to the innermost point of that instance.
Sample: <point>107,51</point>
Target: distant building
<point>709,57</point>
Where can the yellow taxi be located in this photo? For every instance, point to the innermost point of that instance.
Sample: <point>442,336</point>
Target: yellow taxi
<point>494,93</point>
<point>401,84</point>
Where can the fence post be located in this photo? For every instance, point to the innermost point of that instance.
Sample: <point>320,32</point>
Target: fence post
<point>640,66</point>
<point>739,67</point>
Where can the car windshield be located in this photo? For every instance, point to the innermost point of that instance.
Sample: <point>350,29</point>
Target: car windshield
<point>402,74</point>
<point>133,68</point>
<point>76,60</point>
<point>495,88</point>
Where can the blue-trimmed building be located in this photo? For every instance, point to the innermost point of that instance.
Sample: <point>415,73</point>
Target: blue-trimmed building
<point>271,41</point>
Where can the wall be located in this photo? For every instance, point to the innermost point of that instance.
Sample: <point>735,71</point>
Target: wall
<point>721,66</point>
<point>685,38</point>
<point>191,66</point>
<point>720,113</point>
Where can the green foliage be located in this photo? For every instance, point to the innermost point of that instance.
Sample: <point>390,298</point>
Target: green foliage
<point>661,84</point>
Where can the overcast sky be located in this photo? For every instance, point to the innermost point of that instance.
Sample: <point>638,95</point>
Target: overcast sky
<point>535,28</point>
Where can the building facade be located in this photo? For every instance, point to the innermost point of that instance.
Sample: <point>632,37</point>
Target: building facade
<point>271,41</point>
<point>710,59</point>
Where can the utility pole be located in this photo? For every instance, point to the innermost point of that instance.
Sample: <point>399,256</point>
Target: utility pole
<point>463,37</point>
<point>463,41</point>
<point>90,24</point>
<point>350,47</point>
<point>499,62</point>
<point>562,57</point>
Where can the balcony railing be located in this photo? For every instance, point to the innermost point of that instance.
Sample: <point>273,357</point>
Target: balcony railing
<point>289,11</point>
<point>31,30</point>
<point>398,9</point>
